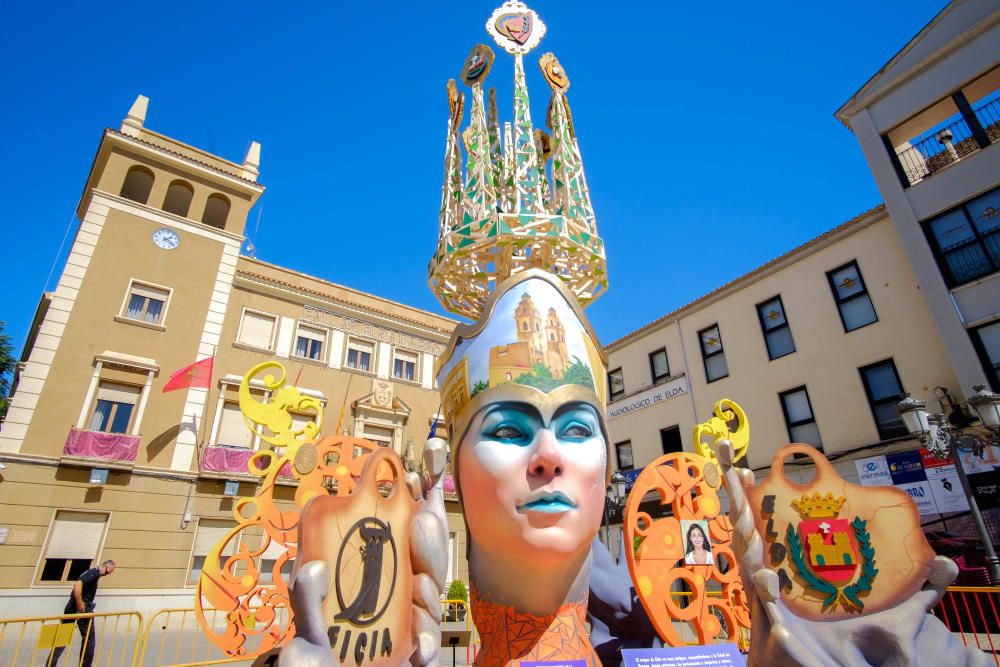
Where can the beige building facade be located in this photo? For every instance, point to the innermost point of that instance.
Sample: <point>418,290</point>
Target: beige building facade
<point>100,463</point>
<point>817,346</point>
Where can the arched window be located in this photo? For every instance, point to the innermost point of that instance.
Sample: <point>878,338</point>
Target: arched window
<point>178,199</point>
<point>216,211</point>
<point>138,184</point>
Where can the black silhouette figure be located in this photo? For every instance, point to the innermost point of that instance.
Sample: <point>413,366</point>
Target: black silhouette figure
<point>366,602</point>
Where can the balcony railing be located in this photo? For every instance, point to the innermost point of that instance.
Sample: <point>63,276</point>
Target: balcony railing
<point>98,446</point>
<point>949,144</point>
<point>220,460</point>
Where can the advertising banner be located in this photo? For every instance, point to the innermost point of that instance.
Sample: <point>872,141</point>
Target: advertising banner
<point>907,472</point>
<point>945,485</point>
<point>873,471</point>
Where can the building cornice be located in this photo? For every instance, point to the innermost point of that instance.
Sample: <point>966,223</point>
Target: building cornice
<point>871,92</point>
<point>856,224</point>
<point>266,284</point>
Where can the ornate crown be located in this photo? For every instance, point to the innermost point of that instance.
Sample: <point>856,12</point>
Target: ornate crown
<point>504,214</point>
<point>819,507</point>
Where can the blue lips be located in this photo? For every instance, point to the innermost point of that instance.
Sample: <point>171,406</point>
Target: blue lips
<point>554,503</point>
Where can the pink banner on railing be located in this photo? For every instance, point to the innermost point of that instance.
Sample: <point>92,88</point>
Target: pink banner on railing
<point>226,459</point>
<point>286,470</point>
<point>448,482</point>
<point>98,445</point>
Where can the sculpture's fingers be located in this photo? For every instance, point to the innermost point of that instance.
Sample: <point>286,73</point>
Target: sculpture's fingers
<point>943,572</point>
<point>309,589</point>
<point>426,638</point>
<point>300,653</point>
<point>414,483</point>
<point>427,595</point>
<point>429,545</point>
<point>435,459</point>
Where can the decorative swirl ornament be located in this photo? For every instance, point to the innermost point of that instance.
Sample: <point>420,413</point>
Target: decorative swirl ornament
<point>272,420</point>
<point>515,28</point>
<point>477,65</point>
<point>708,434</point>
<point>688,484</point>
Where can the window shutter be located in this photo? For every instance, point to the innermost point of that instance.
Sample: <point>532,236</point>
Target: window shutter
<point>408,357</point>
<point>209,534</point>
<point>257,330</point>
<point>361,346</point>
<point>273,551</point>
<point>76,535</point>
<point>312,334</point>
<point>149,292</point>
<point>233,430</point>
<point>118,393</point>
<point>299,421</point>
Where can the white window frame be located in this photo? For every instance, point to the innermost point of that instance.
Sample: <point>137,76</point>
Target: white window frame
<point>83,421</point>
<point>36,580</point>
<point>374,361</point>
<point>274,329</point>
<point>324,353</point>
<point>416,365</point>
<point>123,310</point>
<point>263,395</point>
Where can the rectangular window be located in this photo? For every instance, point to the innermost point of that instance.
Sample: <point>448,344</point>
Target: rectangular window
<point>404,365</point>
<point>884,391</point>
<point>310,343</point>
<point>712,354</point>
<point>987,343</point>
<point>73,544</point>
<point>233,431</point>
<point>799,419</point>
<point>274,551</point>
<point>360,354</point>
<point>210,532</point>
<point>113,408</point>
<point>616,384</point>
<point>966,240</point>
<point>851,295</point>
<point>451,559</point>
<point>379,435</point>
<point>659,369</point>
<point>257,330</point>
<point>670,440</point>
<point>624,452</point>
<point>146,303</point>
<point>774,324</point>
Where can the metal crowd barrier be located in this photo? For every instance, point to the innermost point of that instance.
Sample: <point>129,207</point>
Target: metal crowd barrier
<point>456,612</point>
<point>973,613</point>
<point>174,638</point>
<point>32,640</point>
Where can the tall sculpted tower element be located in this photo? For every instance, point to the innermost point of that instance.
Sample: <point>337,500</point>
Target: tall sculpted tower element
<point>513,210</point>
<point>524,387</point>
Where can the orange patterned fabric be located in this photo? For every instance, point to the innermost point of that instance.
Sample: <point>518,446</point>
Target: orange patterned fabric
<point>508,637</point>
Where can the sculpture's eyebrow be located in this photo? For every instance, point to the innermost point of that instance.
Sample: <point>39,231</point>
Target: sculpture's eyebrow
<point>573,407</point>
<point>526,409</point>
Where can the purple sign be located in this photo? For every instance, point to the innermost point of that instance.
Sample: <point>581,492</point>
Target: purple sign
<point>557,663</point>
<point>713,655</point>
<point>906,467</point>
<point>630,477</point>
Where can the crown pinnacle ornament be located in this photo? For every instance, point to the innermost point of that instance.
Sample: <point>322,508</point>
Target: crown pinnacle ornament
<point>512,209</point>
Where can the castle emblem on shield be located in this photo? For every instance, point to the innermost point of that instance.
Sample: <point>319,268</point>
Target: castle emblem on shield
<point>833,556</point>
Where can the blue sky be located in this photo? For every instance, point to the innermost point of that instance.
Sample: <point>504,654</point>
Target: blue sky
<point>706,128</point>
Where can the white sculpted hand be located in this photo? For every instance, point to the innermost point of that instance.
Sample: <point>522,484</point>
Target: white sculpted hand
<point>429,560</point>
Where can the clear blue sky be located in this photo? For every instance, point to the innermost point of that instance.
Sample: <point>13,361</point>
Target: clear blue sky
<point>706,128</point>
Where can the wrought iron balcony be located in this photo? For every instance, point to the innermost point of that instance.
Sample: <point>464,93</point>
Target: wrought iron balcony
<point>950,144</point>
<point>109,450</point>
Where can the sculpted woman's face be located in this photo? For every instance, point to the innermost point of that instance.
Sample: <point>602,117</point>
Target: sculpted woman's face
<point>532,484</point>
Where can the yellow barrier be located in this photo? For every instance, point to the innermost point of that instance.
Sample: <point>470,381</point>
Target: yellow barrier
<point>34,640</point>
<point>174,638</point>
<point>456,611</point>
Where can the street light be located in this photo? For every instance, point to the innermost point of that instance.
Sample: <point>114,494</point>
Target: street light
<point>941,438</point>
<point>614,499</point>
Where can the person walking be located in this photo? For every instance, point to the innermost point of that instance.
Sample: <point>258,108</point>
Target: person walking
<point>81,601</point>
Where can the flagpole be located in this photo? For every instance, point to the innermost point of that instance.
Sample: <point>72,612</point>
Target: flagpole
<point>204,409</point>
<point>343,406</point>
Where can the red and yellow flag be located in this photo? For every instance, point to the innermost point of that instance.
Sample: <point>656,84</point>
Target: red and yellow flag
<point>198,374</point>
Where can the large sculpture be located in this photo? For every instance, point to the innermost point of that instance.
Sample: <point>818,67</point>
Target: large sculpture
<point>837,574</point>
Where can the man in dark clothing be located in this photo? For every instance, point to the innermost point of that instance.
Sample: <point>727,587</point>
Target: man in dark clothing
<point>81,601</point>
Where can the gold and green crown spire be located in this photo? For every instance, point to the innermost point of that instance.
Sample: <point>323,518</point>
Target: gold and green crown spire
<point>507,216</point>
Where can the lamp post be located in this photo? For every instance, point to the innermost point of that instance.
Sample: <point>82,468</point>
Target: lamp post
<point>614,499</point>
<point>942,439</point>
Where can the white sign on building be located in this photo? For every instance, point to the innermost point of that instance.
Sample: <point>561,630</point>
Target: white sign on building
<point>644,399</point>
